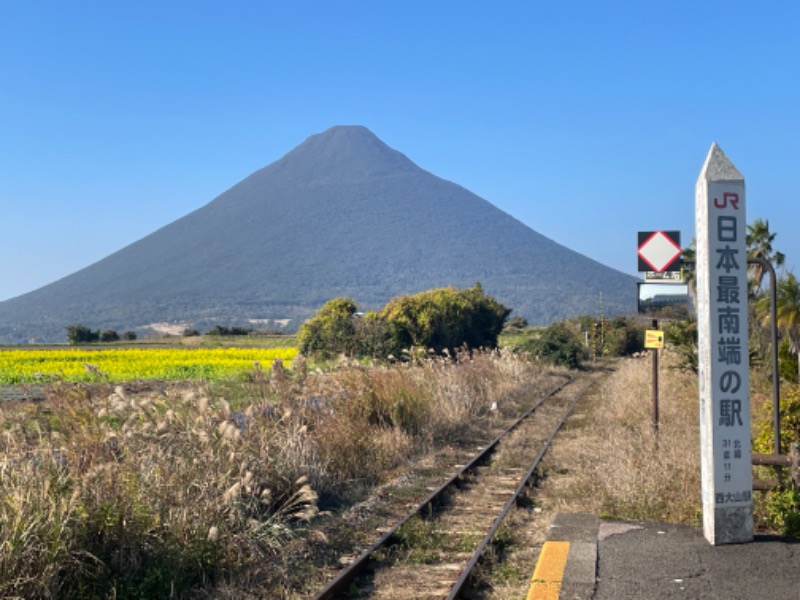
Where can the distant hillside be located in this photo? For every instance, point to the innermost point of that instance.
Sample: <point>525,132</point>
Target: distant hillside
<point>340,215</point>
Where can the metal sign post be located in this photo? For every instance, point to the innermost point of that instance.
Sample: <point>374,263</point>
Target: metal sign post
<point>659,255</point>
<point>723,365</point>
<point>655,346</point>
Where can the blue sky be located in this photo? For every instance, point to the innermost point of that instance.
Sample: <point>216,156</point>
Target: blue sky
<point>587,121</point>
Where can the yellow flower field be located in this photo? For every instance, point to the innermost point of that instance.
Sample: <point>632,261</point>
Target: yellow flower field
<point>128,364</point>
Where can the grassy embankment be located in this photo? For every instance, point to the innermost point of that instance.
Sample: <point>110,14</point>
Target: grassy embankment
<point>108,493</point>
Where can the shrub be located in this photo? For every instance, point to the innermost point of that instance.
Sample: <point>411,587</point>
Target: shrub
<point>445,319</point>
<point>442,320</point>
<point>558,344</point>
<point>371,336</point>
<point>331,331</point>
<point>624,337</point>
<point>790,421</point>
<point>223,330</point>
<point>517,323</point>
<point>782,505</point>
<point>681,336</point>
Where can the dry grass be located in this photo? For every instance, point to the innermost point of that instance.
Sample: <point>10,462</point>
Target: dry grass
<point>132,496</point>
<point>204,491</point>
<point>610,462</point>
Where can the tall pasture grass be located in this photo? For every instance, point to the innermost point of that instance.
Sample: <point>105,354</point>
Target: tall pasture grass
<point>652,477</point>
<point>624,469</point>
<point>109,493</point>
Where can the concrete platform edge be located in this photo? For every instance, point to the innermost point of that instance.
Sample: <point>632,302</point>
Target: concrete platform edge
<point>581,531</point>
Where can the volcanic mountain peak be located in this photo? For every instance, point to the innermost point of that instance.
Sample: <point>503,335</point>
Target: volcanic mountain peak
<point>340,154</point>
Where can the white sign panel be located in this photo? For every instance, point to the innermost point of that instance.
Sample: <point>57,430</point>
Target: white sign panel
<point>723,352</point>
<point>659,251</point>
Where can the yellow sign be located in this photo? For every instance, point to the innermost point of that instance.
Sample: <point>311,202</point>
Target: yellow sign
<point>653,338</point>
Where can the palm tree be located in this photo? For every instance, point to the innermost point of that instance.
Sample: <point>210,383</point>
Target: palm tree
<point>689,254</point>
<point>759,245</point>
<point>788,315</point>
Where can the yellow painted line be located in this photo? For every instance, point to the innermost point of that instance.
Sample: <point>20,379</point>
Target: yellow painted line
<point>546,580</point>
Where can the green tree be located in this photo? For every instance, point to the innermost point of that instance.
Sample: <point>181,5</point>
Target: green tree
<point>689,255</point>
<point>80,334</point>
<point>109,335</point>
<point>759,245</point>
<point>788,312</point>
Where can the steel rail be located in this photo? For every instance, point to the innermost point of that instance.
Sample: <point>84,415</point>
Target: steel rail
<point>455,591</point>
<point>341,583</point>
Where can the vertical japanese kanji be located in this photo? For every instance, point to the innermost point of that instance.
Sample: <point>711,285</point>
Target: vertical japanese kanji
<point>724,388</point>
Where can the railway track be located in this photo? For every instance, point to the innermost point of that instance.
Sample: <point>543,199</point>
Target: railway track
<point>433,551</point>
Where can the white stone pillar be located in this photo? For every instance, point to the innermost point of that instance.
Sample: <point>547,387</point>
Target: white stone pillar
<point>724,382</point>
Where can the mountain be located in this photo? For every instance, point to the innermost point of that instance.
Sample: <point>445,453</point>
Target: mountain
<point>343,214</point>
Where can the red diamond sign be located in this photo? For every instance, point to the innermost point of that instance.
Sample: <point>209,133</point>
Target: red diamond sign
<point>659,251</point>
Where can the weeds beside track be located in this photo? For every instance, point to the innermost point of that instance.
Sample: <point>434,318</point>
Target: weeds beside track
<point>432,551</point>
<point>201,490</point>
